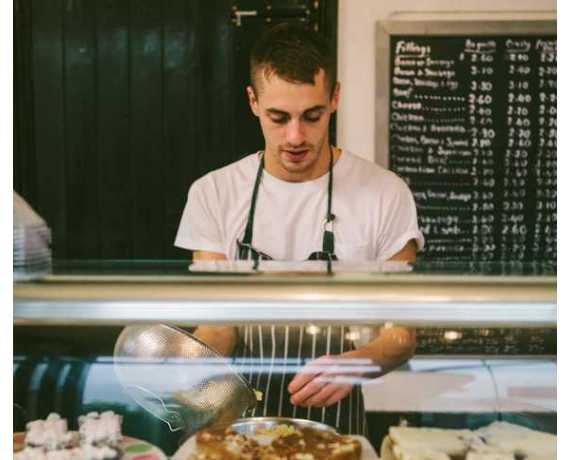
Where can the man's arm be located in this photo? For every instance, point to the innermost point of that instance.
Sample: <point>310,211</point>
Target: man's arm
<point>332,382</point>
<point>407,253</point>
<point>207,255</point>
<point>393,347</point>
<point>223,339</point>
<point>399,342</point>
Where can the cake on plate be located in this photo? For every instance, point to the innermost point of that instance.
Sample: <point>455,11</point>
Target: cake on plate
<point>280,442</point>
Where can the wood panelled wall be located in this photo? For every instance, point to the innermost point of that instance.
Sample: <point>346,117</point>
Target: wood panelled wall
<point>120,105</point>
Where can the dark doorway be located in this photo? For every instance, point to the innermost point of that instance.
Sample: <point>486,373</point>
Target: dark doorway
<point>120,105</point>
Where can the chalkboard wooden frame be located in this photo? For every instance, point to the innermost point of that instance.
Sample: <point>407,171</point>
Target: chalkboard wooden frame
<point>438,24</point>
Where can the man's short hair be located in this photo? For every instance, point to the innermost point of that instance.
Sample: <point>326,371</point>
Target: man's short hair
<point>294,53</point>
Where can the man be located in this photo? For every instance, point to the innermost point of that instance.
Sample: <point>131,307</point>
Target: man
<point>301,198</point>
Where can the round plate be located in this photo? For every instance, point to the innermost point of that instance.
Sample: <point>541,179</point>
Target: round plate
<point>133,448</point>
<point>249,425</point>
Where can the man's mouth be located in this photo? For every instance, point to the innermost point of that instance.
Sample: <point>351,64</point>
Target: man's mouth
<point>296,154</point>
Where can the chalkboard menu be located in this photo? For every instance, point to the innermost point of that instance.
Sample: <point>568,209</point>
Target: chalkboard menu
<point>472,129</point>
<point>482,341</point>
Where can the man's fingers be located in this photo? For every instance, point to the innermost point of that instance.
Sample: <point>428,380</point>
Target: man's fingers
<point>300,381</point>
<point>308,373</point>
<point>322,382</point>
<point>340,392</point>
<point>306,392</point>
<point>319,399</point>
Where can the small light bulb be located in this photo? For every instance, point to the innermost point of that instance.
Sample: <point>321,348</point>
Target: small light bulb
<point>313,330</point>
<point>353,335</point>
<point>452,335</point>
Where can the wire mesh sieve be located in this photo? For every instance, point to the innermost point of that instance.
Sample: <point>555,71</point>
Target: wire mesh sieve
<point>178,378</point>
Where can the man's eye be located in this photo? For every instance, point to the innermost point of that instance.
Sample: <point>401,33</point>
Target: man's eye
<point>279,121</point>
<point>312,118</point>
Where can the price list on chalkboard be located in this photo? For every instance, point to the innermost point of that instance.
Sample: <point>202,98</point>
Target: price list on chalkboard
<point>483,341</point>
<point>472,129</point>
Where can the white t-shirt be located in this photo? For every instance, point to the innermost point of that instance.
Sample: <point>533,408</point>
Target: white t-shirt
<point>374,208</point>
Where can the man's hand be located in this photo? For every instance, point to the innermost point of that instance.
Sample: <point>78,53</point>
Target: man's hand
<point>328,379</point>
<point>325,381</point>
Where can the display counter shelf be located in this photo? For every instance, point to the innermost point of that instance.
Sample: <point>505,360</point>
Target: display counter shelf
<point>412,299</point>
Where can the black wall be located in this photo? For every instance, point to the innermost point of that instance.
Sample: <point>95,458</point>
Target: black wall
<point>120,105</point>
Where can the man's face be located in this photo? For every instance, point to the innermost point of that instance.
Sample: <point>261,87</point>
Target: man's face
<point>294,118</point>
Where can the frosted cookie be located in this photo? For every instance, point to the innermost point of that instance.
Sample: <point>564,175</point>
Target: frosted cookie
<point>100,428</point>
<point>98,439</point>
<point>49,434</point>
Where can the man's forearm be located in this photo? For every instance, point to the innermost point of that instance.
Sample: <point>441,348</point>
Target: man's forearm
<point>223,339</point>
<point>393,347</point>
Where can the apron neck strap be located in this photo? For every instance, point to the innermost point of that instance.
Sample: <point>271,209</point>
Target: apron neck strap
<point>248,236</point>
<point>328,235</point>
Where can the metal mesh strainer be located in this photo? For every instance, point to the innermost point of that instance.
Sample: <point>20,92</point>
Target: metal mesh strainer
<point>178,378</point>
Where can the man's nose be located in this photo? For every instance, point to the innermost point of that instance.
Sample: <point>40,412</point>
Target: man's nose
<point>295,132</point>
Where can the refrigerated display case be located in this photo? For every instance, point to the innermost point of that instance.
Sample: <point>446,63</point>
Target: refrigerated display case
<point>486,335</point>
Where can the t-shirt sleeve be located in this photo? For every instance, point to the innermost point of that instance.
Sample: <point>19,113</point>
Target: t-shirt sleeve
<point>399,222</point>
<point>199,227</point>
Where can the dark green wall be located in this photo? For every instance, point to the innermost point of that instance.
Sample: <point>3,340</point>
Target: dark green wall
<point>120,105</point>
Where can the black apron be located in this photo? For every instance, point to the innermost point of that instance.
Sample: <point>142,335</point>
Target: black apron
<point>269,356</point>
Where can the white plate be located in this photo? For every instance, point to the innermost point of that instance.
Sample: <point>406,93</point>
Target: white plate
<point>189,448</point>
<point>133,448</point>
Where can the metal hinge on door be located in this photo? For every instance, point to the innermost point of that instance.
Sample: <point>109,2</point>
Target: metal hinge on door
<point>269,13</point>
<point>238,14</point>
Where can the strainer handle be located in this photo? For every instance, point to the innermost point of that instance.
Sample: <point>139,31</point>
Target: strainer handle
<point>150,401</point>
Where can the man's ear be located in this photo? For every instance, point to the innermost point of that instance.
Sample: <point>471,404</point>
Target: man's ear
<point>335,96</point>
<point>252,100</point>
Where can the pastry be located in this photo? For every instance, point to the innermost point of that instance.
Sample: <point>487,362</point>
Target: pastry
<point>498,441</point>
<point>523,441</point>
<point>98,438</point>
<point>282,442</point>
